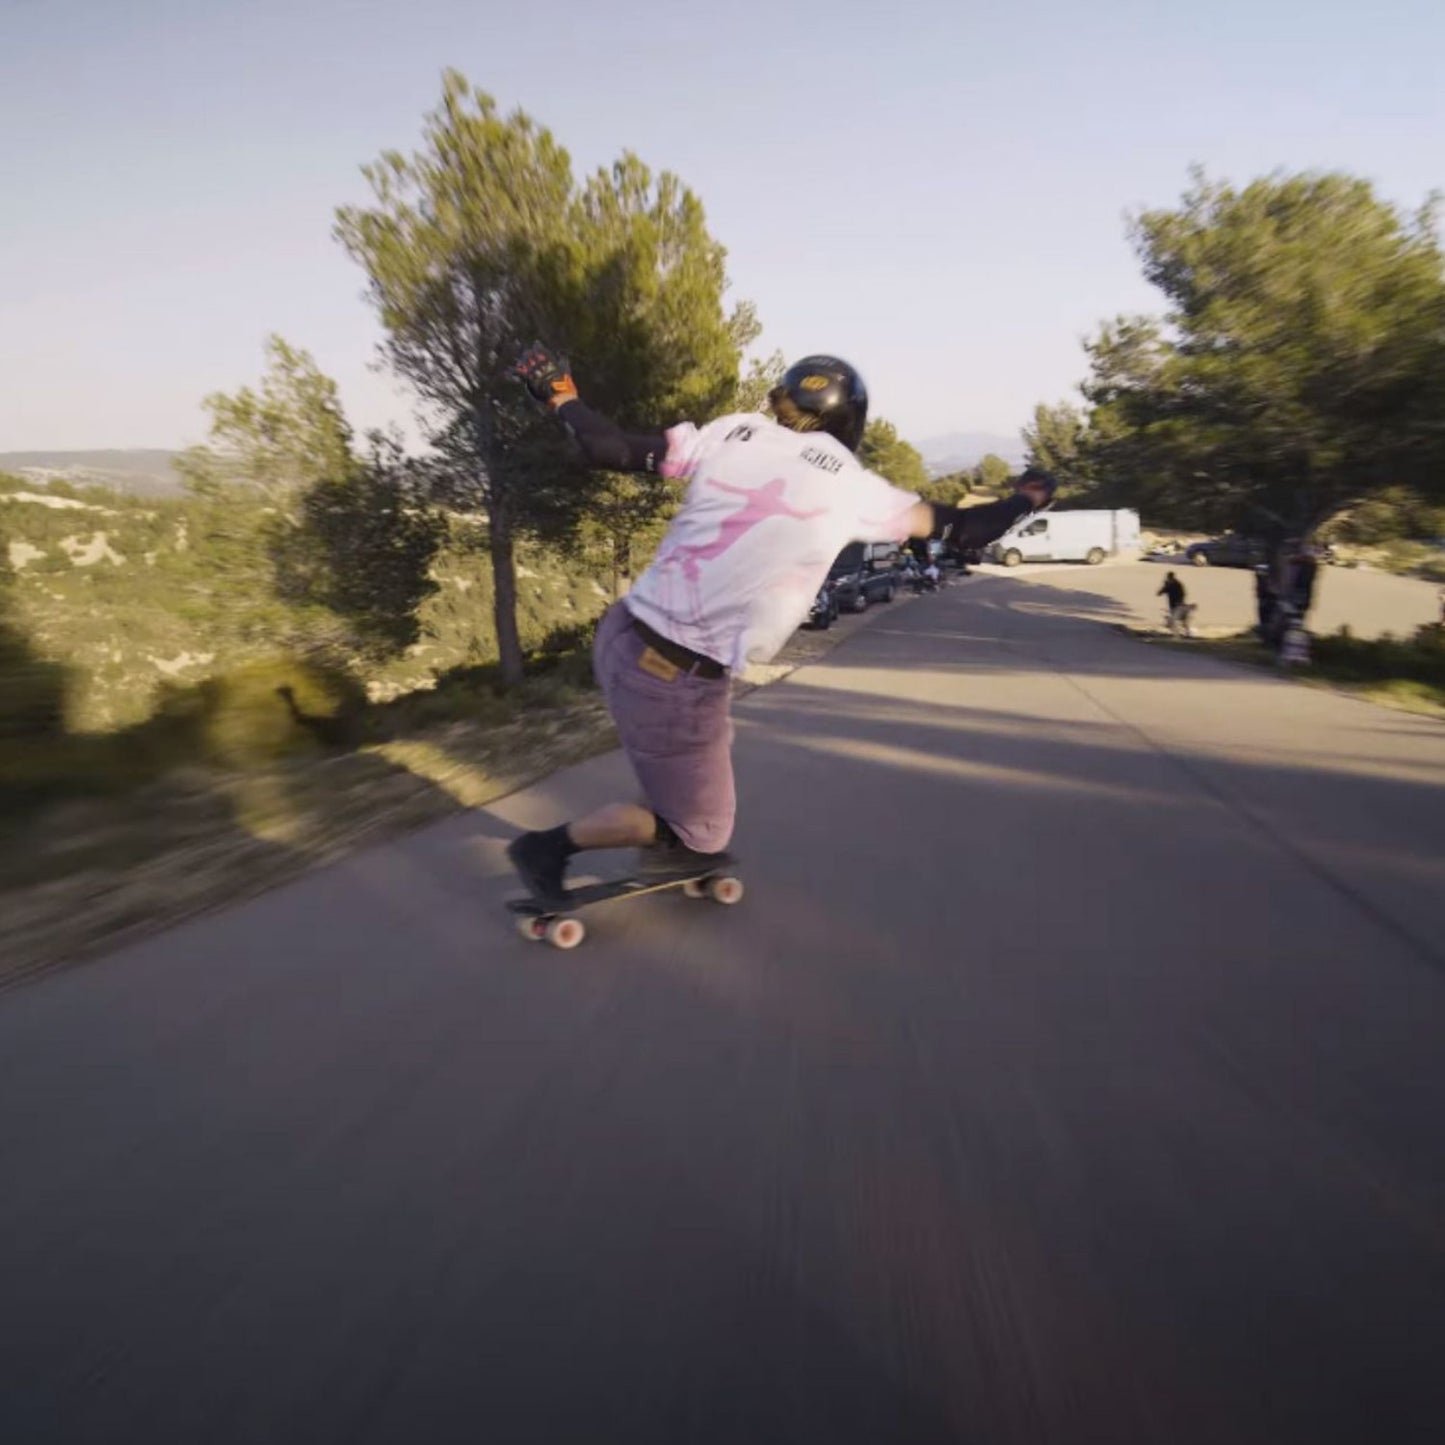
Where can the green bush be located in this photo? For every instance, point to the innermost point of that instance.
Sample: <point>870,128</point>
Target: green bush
<point>1419,659</point>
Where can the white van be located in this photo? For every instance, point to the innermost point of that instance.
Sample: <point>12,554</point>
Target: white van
<point>1067,537</point>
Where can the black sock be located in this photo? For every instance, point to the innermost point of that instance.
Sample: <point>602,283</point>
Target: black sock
<point>560,839</point>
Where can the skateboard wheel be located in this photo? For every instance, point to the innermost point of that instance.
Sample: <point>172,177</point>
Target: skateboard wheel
<point>532,928</point>
<point>694,888</point>
<point>725,890</point>
<point>565,932</point>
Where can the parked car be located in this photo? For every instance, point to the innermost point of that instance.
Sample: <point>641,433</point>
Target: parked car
<point>824,611</point>
<point>865,572</point>
<point>1230,550</point>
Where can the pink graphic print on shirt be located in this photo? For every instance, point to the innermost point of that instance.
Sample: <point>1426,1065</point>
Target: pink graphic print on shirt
<point>761,503</point>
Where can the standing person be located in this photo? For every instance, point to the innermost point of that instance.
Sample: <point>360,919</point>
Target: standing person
<point>1302,580</point>
<point>1264,601</point>
<point>1173,593</point>
<point>770,502</point>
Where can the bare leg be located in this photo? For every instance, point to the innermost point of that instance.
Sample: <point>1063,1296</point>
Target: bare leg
<point>617,825</point>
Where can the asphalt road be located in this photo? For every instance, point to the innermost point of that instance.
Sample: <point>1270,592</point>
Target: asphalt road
<point>1072,1072</point>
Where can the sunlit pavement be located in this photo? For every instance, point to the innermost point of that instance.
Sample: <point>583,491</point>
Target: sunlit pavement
<point>1071,1072</point>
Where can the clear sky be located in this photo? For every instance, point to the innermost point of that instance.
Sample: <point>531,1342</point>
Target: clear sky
<point>934,190</point>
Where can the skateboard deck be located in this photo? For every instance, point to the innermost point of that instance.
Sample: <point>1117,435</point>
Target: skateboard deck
<point>556,923</point>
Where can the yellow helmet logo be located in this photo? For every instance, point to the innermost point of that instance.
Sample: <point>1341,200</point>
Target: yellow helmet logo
<point>814,383</point>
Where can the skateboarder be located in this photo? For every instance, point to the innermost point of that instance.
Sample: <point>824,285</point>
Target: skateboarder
<point>770,502</point>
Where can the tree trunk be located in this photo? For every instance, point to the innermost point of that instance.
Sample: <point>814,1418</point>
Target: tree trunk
<point>504,592</point>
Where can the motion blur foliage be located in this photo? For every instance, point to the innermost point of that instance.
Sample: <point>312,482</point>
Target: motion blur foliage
<point>340,546</point>
<point>32,705</point>
<point>263,711</point>
<point>362,548</point>
<point>1298,371</point>
<point>1418,659</point>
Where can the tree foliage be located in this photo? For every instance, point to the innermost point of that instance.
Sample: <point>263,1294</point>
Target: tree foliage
<point>950,490</point>
<point>362,549</point>
<point>993,473</point>
<point>885,452</point>
<point>1057,441</point>
<point>763,374</point>
<point>305,536</point>
<point>276,438</point>
<point>481,240</point>
<point>1298,370</point>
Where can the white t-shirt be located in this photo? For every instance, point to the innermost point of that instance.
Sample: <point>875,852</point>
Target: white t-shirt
<point>767,510</point>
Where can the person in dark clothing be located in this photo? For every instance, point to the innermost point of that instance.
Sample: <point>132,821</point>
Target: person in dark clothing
<point>1302,580</point>
<point>1265,602</point>
<point>1179,610</point>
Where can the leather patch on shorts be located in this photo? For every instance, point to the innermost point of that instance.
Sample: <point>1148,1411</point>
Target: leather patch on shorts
<point>657,665</point>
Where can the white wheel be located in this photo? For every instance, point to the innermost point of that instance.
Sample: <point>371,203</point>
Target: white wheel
<point>694,888</point>
<point>532,928</point>
<point>1095,557</point>
<point>1012,557</point>
<point>725,890</point>
<point>565,932</point>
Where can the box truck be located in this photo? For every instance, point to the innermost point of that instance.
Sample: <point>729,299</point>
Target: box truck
<point>1067,537</point>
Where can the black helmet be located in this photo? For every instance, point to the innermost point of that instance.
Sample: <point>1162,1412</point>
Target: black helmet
<point>821,393</point>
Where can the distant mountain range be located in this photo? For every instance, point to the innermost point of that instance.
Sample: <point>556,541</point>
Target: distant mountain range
<point>143,472</point>
<point>961,449</point>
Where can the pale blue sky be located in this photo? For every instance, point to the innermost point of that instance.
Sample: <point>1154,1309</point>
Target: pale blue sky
<point>935,191</point>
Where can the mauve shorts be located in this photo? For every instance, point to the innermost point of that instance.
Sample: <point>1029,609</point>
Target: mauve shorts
<point>677,735</point>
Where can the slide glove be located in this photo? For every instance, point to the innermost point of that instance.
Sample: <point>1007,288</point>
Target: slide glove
<point>1038,487</point>
<point>546,377</point>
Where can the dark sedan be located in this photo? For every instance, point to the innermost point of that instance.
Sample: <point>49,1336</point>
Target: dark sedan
<point>1231,550</point>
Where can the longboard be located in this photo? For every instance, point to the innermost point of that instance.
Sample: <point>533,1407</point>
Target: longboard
<point>556,923</point>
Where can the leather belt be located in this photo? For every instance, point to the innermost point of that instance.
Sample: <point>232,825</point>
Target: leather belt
<point>679,656</point>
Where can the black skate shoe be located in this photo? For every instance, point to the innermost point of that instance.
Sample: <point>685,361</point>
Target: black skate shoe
<point>677,860</point>
<point>541,861</point>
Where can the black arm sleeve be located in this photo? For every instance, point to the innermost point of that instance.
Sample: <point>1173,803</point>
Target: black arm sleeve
<point>607,446</point>
<point>978,526</point>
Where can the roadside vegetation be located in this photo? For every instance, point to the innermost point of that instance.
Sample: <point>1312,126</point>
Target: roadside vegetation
<point>1404,673</point>
<point>1292,385</point>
